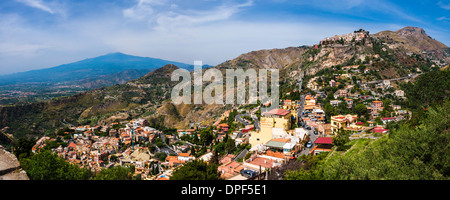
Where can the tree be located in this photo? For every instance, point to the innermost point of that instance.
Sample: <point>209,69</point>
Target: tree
<point>341,139</point>
<point>430,89</point>
<point>115,173</point>
<point>23,146</point>
<point>230,145</point>
<point>378,120</point>
<point>361,110</point>
<point>196,170</point>
<point>214,158</point>
<point>206,136</point>
<point>48,166</point>
<point>161,156</point>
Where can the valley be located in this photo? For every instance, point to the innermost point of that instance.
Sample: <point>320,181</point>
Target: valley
<point>337,97</point>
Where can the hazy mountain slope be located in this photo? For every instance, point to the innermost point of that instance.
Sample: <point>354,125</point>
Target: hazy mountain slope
<point>88,107</point>
<point>89,69</point>
<point>111,79</point>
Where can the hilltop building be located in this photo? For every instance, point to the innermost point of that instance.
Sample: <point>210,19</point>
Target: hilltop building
<point>276,118</point>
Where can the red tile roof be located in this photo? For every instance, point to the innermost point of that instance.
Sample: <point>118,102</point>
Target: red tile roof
<point>73,145</point>
<point>279,111</point>
<point>324,140</point>
<point>379,130</point>
<point>223,125</point>
<point>387,118</point>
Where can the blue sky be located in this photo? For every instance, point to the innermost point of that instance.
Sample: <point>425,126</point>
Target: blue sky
<point>38,34</point>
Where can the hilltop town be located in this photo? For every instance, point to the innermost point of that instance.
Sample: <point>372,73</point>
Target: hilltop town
<point>247,144</point>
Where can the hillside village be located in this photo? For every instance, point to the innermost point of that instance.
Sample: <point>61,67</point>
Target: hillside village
<point>245,143</point>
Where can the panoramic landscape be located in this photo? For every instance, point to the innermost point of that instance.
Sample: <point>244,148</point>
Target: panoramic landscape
<point>354,102</point>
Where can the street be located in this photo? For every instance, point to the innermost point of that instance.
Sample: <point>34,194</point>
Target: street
<point>255,119</point>
<point>313,138</point>
<point>311,134</point>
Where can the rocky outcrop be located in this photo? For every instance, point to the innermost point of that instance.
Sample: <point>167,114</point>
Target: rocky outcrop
<point>10,168</point>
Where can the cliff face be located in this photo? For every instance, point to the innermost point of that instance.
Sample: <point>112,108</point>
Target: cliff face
<point>415,40</point>
<point>388,51</point>
<point>10,167</point>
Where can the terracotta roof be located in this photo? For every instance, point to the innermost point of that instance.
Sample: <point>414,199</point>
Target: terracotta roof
<point>324,140</point>
<point>267,163</point>
<point>275,154</point>
<point>281,140</point>
<point>379,130</point>
<point>184,154</point>
<point>309,97</point>
<point>279,111</point>
<point>223,125</point>
<point>387,118</point>
<point>168,158</point>
<point>73,145</point>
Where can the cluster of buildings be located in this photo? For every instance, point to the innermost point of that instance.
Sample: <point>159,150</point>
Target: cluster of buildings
<point>120,146</point>
<point>356,36</point>
<point>281,134</point>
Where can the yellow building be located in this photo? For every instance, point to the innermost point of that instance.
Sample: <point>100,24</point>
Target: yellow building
<point>276,118</point>
<point>342,121</point>
<point>291,106</point>
<point>310,100</point>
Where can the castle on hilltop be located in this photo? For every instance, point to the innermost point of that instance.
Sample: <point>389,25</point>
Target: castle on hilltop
<point>358,35</point>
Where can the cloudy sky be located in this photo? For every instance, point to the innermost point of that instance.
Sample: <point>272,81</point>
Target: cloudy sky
<point>38,34</point>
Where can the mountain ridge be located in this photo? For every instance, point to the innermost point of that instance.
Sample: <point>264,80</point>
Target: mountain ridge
<point>149,96</point>
<point>89,68</point>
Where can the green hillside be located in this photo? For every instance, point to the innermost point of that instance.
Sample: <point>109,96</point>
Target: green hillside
<point>415,150</point>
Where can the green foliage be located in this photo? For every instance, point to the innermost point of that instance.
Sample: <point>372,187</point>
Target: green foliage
<point>310,170</point>
<point>341,139</point>
<point>22,147</point>
<point>161,156</point>
<point>48,166</point>
<point>115,173</point>
<point>196,170</point>
<point>54,144</point>
<point>430,89</point>
<point>227,146</point>
<point>407,153</point>
<point>206,136</point>
<point>361,110</point>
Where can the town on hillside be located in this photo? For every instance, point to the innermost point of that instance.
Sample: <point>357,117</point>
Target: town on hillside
<point>245,143</point>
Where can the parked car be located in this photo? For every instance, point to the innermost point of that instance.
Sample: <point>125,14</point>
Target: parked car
<point>309,144</point>
<point>248,173</point>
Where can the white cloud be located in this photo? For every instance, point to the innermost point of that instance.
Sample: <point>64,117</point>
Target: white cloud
<point>39,4</point>
<point>445,6</point>
<point>195,17</point>
<point>20,49</point>
<point>142,10</point>
<point>167,29</point>
<point>164,15</point>
<point>443,18</point>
